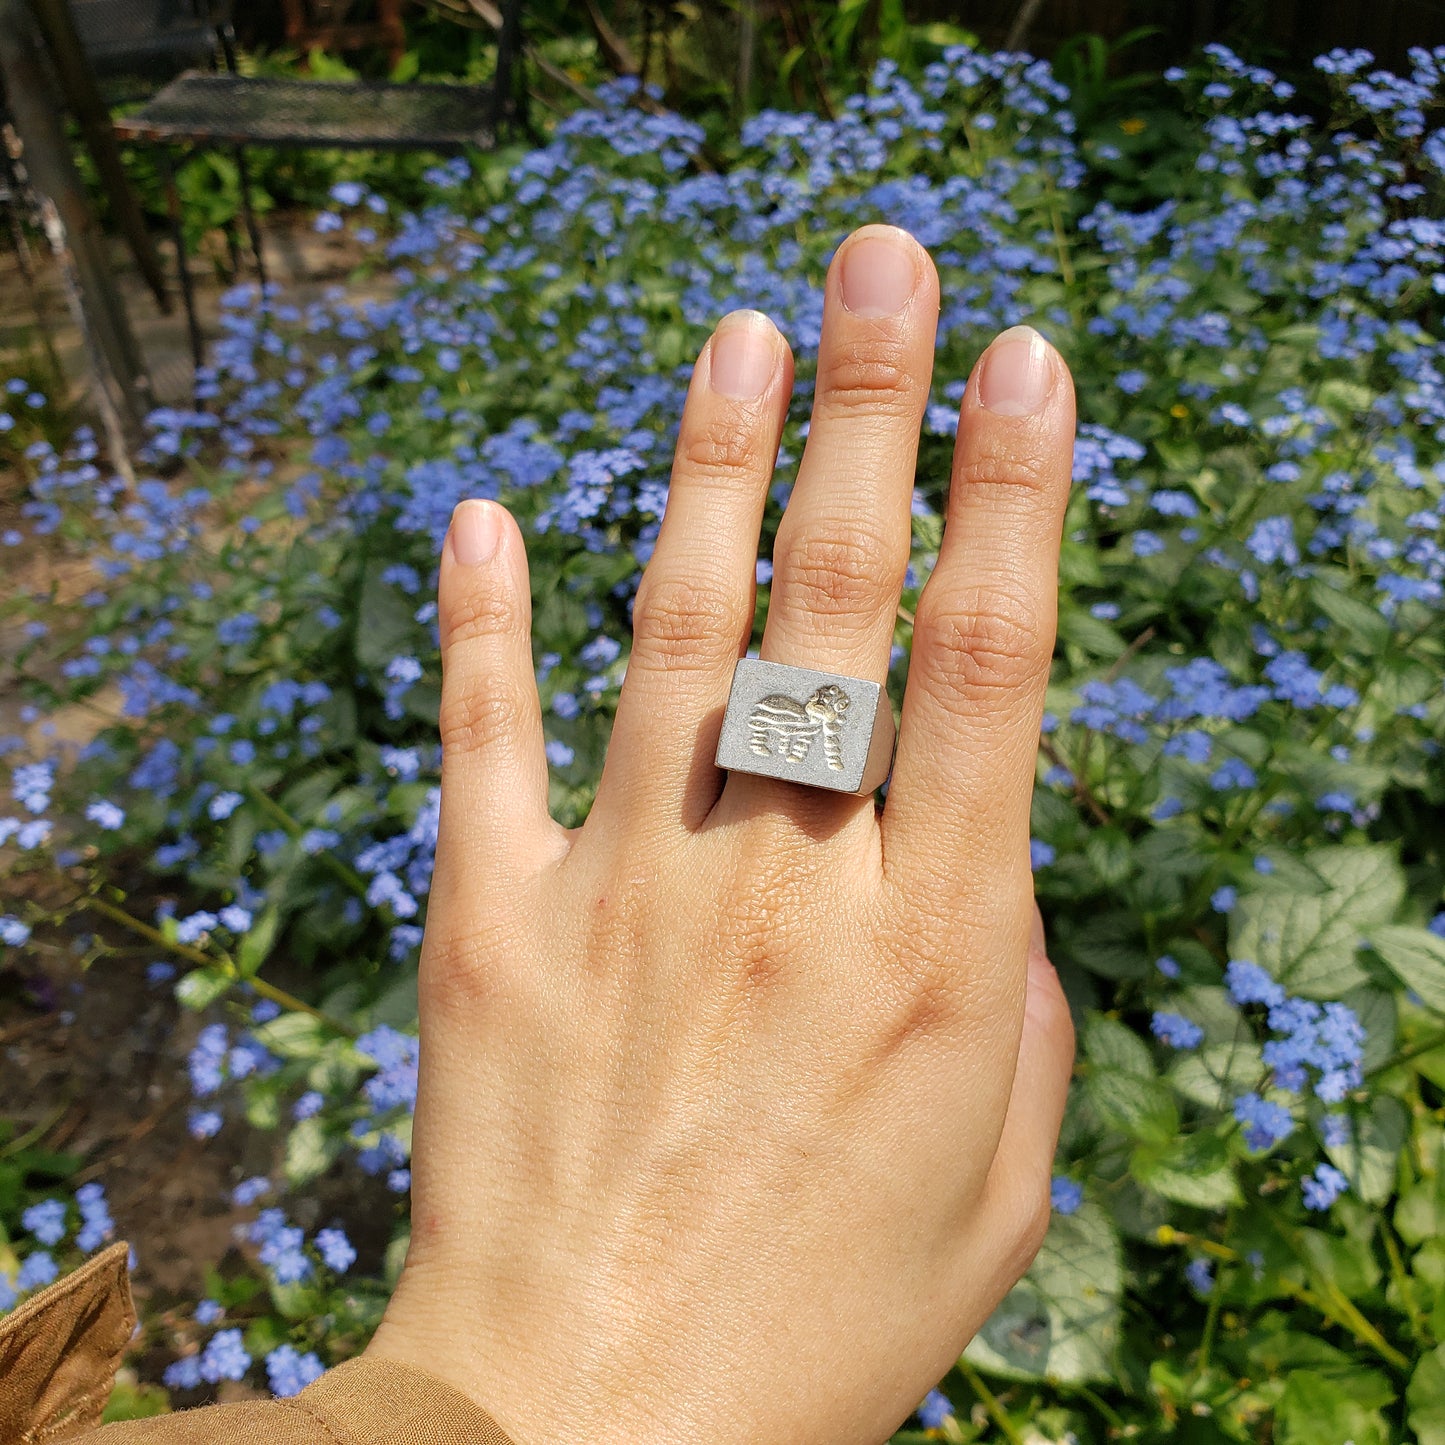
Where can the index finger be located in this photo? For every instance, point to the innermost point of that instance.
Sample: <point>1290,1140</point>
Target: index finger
<point>957,818</point>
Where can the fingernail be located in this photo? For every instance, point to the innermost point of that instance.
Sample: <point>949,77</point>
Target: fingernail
<point>1015,378</point>
<point>880,272</point>
<point>742,355</point>
<point>476,530</point>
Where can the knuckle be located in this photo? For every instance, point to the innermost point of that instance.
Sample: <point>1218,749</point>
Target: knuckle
<point>838,573</point>
<point>982,641</point>
<point>479,970</point>
<point>477,716</point>
<point>929,1008</point>
<point>932,997</point>
<point>872,378</point>
<point>762,955</point>
<point>457,974</point>
<point>1009,474</point>
<point>682,623</point>
<point>720,447</point>
<point>480,613</point>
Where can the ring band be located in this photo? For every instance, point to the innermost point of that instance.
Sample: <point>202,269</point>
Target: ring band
<point>815,728</point>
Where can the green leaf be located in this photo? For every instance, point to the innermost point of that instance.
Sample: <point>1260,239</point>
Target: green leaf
<point>1110,855</point>
<point>1143,1109</point>
<point>1371,1160</point>
<point>1212,1009</point>
<point>1110,944</point>
<point>397,1006</point>
<point>310,1150</point>
<point>202,987</point>
<point>1061,1321</point>
<point>1368,879</point>
<point>1345,1262</point>
<point>1178,454</point>
<point>1194,1169</point>
<point>1166,861</point>
<point>385,625</point>
<point>1420,1214</point>
<point>1280,1351</point>
<point>305,799</point>
<point>130,1401</point>
<point>1425,1398</point>
<point>1113,1045</point>
<point>1317,1409</point>
<point>1216,1074</point>
<point>263,1102</point>
<point>1379,1017</point>
<point>1345,396</point>
<point>1078,565</point>
<point>255,947</point>
<point>423,701</point>
<point>1417,958</point>
<point>928,531</point>
<point>395,1257</point>
<point>301,1301</point>
<point>293,1036</point>
<point>1310,942</point>
<point>1090,634</point>
<point>1362,623</point>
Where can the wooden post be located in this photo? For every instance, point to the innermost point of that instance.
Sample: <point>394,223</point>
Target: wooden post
<point>62,41</point>
<point>123,392</point>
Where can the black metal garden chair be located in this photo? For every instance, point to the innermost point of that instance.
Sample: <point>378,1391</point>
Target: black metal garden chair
<point>200,109</point>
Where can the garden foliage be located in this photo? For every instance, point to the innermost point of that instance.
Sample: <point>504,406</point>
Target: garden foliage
<point>1237,818</point>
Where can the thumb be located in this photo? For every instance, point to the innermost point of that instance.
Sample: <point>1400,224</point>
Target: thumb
<point>1023,1165</point>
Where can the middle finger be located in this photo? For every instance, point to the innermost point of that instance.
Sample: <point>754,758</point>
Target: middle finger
<point>843,544</point>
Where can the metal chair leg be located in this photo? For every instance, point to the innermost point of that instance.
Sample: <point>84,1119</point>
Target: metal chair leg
<point>253,231</point>
<point>178,236</point>
<point>233,250</point>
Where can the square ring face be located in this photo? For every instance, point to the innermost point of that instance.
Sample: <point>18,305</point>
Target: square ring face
<point>814,728</point>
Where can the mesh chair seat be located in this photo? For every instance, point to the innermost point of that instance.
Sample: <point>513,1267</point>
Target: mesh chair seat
<point>202,109</point>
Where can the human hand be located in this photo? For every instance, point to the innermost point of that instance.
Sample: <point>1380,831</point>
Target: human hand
<point>738,1104</point>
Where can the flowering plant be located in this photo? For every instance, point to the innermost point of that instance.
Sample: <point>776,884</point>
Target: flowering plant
<point>1237,814</point>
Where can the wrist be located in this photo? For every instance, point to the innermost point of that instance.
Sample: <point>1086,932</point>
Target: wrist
<point>443,1329</point>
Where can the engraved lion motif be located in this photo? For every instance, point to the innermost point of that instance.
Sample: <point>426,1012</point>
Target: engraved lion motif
<point>778,724</point>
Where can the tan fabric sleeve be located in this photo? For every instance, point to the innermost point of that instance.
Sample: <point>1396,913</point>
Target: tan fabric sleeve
<point>59,1352</point>
<point>363,1402</point>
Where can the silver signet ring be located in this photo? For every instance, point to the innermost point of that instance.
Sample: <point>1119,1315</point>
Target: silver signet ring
<point>814,728</point>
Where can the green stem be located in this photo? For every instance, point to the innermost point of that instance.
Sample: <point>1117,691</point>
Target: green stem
<point>1061,239</point>
<point>1347,1314</point>
<point>181,950</point>
<point>344,872</point>
<point>1111,1416</point>
<point>996,1411</point>
<point>1405,1285</point>
<point>1427,1045</point>
<point>1082,794</point>
<point>220,960</point>
<point>1211,1323</point>
<point>1333,1304</point>
<point>33,1136</point>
